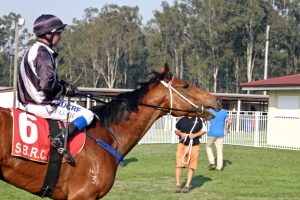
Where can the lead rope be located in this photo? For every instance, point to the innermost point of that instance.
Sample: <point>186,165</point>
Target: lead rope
<point>189,148</point>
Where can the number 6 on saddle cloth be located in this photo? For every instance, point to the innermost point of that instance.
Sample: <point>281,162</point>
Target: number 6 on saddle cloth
<point>31,137</point>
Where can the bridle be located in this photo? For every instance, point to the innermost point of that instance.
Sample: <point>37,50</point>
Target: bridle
<point>171,109</point>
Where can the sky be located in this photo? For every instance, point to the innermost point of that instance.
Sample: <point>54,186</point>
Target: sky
<point>69,9</point>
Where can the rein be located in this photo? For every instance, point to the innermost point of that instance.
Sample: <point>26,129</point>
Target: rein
<point>90,96</point>
<point>168,109</point>
<point>164,109</point>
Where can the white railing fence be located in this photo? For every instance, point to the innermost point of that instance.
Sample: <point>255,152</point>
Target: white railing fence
<point>247,129</point>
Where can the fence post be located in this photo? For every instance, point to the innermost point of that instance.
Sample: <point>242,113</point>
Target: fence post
<point>88,103</point>
<point>257,128</point>
<point>173,128</point>
<point>238,116</point>
<point>237,121</point>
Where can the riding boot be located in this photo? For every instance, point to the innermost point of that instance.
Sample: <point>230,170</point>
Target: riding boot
<point>72,130</point>
<point>58,142</point>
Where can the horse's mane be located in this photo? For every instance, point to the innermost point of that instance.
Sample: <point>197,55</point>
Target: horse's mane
<point>122,105</point>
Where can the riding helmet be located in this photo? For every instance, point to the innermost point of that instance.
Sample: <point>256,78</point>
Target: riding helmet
<point>47,24</point>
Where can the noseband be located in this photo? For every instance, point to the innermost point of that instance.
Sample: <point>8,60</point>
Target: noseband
<point>170,109</point>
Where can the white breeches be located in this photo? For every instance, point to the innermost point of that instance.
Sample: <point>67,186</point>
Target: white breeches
<point>61,112</point>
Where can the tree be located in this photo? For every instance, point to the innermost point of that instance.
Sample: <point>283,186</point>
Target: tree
<point>286,33</point>
<point>168,36</point>
<point>208,32</point>
<point>109,38</point>
<point>7,45</point>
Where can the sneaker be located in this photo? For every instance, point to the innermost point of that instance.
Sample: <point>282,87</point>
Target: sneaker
<point>186,189</point>
<point>177,189</point>
<point>212,167</point>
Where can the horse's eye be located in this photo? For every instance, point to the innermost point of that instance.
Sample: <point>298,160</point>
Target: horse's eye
<point>186,85</point>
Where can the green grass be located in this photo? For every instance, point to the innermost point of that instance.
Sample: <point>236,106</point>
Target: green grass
<point>249,174</point>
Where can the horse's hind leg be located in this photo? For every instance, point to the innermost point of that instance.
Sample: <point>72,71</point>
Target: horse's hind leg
<point>5,135</point>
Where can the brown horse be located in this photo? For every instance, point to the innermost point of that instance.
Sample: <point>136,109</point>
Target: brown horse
<point>128,117</point>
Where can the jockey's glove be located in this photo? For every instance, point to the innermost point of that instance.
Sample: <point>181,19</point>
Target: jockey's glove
<point>64,82</point>
<point>70,90</point>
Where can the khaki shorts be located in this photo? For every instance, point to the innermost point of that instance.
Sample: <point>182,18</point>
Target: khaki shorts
<point>181,149</point>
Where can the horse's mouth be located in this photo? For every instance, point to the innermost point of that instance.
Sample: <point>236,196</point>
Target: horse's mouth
<point>208,108</point>
<point>206,111</point>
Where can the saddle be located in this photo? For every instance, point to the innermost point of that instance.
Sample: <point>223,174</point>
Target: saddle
<point>31,137</point>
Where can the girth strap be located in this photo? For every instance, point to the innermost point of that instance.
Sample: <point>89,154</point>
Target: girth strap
<point>54,164</point>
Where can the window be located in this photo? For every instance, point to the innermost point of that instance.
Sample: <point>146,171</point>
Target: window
<point>288,106</point>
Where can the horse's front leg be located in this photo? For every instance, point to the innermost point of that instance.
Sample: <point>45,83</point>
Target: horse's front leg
<point>88,190</point>
<point>81,196</point>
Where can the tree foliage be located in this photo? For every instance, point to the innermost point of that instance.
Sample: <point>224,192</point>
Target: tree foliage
<point>216,44</point>
<point>7,46</point>
<point>109,42</point>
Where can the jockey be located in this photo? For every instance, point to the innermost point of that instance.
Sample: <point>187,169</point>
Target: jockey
<point>39,90</point>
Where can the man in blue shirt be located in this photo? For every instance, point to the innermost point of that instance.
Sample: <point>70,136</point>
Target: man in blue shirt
<point>216,134</point>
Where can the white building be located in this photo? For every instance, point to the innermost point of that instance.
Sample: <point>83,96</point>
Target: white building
<point>6,97</point>
<point>284,108</point>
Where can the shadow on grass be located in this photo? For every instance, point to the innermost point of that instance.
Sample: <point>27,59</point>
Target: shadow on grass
<point>198,181</point>
<point>129,160</point>
<point>226,163</point>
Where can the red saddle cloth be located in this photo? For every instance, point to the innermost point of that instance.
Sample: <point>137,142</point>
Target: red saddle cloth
<point>30,138</point>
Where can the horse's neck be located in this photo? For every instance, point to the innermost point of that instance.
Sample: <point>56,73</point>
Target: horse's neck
<point>129,132</point>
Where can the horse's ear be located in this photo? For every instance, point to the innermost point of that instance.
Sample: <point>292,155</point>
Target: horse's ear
<point>167,72</point>
<point>161,70</point>
<point>166,68</point>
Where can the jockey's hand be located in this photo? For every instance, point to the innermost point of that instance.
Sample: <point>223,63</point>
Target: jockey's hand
<point>64,82</point>
<point>70,90</point>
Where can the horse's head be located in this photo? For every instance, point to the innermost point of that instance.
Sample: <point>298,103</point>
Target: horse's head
<point>184,98</point>
<point>161,91</point>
